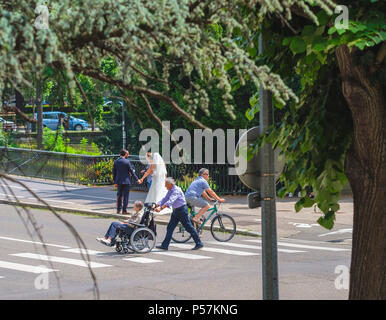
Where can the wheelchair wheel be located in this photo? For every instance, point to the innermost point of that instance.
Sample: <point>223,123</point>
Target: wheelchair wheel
<point>142,240</point>
<point>118,247</point>
<point>180,235</point>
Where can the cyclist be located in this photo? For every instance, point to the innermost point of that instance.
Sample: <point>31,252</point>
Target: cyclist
<point>198,190</point>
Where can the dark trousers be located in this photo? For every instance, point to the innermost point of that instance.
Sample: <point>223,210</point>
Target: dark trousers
<point>112,230</point>
<point>180,214</point>
<point>123,197</point>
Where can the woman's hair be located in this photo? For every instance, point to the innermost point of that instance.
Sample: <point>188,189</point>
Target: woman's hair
<point>149,155</point>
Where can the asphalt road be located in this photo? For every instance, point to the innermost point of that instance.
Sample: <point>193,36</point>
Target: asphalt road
<point>290,224</point>
<point>229,271</point>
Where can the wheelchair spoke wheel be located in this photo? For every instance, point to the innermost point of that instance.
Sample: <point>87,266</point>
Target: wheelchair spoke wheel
<point>118,247</point>
<point>223,227</point>
<point>180,235</point>
<point>142,240</point>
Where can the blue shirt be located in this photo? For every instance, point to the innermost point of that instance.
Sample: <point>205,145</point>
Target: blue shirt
<point>197,187</point>
<point>174,198</point>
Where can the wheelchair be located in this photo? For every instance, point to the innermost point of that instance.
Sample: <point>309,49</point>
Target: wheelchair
<point>141,237</point>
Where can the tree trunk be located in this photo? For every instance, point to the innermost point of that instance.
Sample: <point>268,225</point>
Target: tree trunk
<point>365,167</point>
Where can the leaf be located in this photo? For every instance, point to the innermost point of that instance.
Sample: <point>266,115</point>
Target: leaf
<point>308,202</point>
<point>250,113</point>
<point>299,205</point>
<point>308,30</point>
<point>322,17</point>
<point>319,44</point>
<point>281,193</point>
<point>286,41</point>
<point>327,221</point>
<point>332,30</point>
<point>228,65</point>
<point>252,51</point>
<point>298,45</point>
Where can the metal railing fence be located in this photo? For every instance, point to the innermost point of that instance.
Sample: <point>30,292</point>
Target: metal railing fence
<point>97,170</point>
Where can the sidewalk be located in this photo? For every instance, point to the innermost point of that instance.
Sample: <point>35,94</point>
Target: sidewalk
<point>100,201</point>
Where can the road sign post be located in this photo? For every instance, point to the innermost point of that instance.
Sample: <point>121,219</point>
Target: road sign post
<point>268,199</point>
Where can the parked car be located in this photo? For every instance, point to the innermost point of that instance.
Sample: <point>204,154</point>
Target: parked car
<point>51,121</point>
<point>8,125</point>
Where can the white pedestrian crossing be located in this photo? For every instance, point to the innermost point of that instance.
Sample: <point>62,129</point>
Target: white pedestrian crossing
<point>247,246</point>
<point>211,250</point>
<point>83,251</point>
<point>24,267</point>
<point>142,260</point>
<point>182,255</point>
<point>304,246</point>
<point>34,242</point>
<point>216,250</point>
<point>76,262</point>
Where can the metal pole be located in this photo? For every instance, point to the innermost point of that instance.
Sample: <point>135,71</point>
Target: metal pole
<point>268,197</point>
<point>123,126</point>
<point>39,110</point>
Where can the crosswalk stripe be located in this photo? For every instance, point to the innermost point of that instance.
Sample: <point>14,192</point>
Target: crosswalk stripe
<point>83,251</point>
<point>295,245</point>
<point>75,262</point>
<point>181,255</point>
<point>232,252</point>
<point>35,242</point>
<point>24,267</point>
<point>142,260</point>
<point>247,246</point>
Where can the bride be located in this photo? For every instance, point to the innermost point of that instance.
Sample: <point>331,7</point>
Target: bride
<point>157,170</point>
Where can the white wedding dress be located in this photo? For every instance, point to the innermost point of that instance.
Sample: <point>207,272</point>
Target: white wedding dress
<point>157,189</point>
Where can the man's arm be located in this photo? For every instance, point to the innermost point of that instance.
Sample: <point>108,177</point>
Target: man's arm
<point>206,196</point>
<point>114,173</point>
<point>214,195</point>
<point>165,202</point>
<point>132,171</point>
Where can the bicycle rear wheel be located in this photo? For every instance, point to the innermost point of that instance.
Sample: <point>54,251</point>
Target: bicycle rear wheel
<point>223,228</point>
<point>180,235</point>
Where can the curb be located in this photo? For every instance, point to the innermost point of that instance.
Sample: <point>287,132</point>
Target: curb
<point>105,214</point>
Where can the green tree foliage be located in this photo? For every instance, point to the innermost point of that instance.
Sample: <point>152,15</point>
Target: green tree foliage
<point>148,38</point>
<point>316,132</point>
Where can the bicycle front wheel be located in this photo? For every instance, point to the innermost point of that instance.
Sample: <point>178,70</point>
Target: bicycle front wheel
<point>180,235</point>
<point>223,228</point>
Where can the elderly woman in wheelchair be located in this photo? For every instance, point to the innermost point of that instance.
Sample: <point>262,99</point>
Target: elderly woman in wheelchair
<point>138,233</point>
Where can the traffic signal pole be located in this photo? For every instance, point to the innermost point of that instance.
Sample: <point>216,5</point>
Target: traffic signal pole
<point>268,199</point>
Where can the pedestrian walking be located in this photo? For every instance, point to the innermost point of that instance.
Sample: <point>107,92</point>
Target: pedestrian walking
<point>175,199</point>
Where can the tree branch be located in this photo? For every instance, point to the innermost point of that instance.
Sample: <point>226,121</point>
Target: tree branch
<point>96,74</point>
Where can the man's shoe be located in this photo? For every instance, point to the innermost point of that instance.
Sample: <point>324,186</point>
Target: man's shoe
<point>125,212</point>
<point>198,246</point>
<point>161,247</point>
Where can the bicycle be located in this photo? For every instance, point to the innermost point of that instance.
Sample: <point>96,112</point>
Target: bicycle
<point>222,228</point>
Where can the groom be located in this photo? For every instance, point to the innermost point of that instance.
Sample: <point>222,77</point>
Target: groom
<point>121,169</point>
